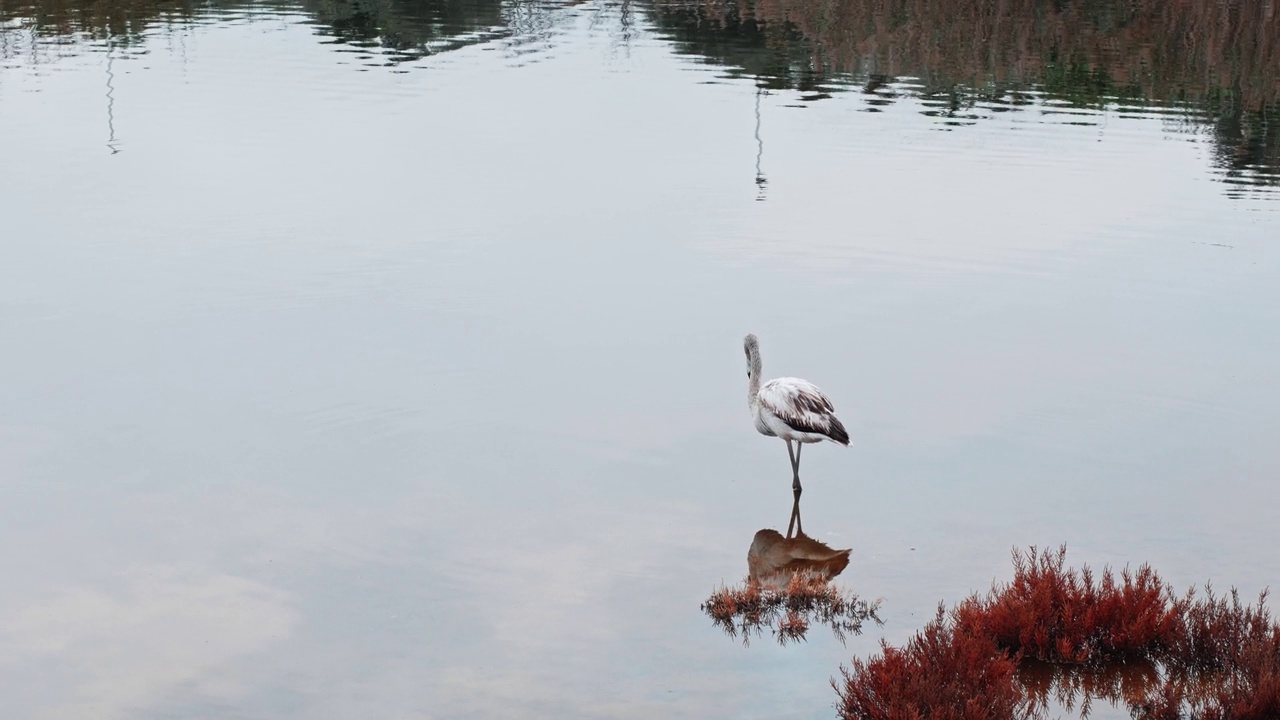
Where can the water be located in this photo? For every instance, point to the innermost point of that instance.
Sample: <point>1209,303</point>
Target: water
<point>385,360</point>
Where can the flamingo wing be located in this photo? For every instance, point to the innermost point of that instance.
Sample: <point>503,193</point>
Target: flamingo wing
<point>803,407</point>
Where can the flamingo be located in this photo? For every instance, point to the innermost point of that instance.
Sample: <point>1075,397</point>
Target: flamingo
<point>792,409</point>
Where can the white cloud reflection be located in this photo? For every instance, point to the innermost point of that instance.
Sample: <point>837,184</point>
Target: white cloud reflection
<point>114,650</point>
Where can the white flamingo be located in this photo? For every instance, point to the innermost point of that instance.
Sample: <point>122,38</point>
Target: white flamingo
<point>790,408</point>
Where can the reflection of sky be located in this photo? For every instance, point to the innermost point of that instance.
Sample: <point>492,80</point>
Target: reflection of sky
<point>420,394</point>
<point>99,651</point>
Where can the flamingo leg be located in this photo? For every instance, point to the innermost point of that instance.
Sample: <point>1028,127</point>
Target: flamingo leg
<point>795,466</point>
<point>796,483</point>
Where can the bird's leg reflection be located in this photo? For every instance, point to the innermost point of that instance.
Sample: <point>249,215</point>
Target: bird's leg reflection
<point>795,518</point>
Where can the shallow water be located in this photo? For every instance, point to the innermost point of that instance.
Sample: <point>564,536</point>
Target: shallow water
<point>385,360</point>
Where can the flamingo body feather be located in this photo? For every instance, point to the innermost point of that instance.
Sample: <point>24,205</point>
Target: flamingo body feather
<point>790,408</point>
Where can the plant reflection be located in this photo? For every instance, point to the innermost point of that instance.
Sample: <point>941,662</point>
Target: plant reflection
<point>788,587</point>
<point>397,30</point>
<point>1075,687</point>
<point>1198,67</point>
<point>1147,688</point>
<point>1195,65</point>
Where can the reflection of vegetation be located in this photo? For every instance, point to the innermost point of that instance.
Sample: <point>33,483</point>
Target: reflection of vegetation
<point>1217,63</point>
<point>777,56</point>
<point>1130,641</point>
<point>1158,49</point>
<point>789,610</point>
<point>1212,65</point>
<point>407,27</point>
<point>123,21</point>
<point>402,29</point>
<point>1075,687</point>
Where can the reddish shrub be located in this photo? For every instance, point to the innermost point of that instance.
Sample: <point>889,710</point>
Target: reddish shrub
<point>1053,613</point>
<point>1130,642</point>
<point>1225,664</point>
<point>1219,633</point>
<point>943,673</point>
<point>1253,693</point>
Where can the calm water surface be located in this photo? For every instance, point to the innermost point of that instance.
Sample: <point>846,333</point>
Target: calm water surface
<point>385,360</point>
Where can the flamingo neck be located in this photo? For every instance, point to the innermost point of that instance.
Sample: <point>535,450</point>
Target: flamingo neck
<point>753,381</point>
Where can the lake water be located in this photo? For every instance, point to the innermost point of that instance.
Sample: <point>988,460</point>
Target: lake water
<point>385,359</point>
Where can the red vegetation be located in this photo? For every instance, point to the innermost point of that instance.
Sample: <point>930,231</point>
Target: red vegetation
<point>1058,614</point>
<point>1225,665</point>
<point>943,673</point>
<point>1212,658</point>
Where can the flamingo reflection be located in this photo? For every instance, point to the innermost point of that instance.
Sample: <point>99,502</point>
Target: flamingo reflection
<point>773,559</point>
<point>788,587</point>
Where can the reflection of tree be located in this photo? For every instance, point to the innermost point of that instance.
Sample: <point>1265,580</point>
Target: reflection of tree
<point>1159,49</point>
<point>776,55</point>
<point>1219,63</point>
<point>400,29</point>
<point>62,23</point>
<point>409,28</point>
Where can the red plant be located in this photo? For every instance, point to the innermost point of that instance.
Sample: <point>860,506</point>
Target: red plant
<point>1058,614</point>
<point>943,673</point>
<point>1219,632</point>
<point>1218,658</point>
<point>1225,665</point>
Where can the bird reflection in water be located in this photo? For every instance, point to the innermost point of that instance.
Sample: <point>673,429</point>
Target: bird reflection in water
<point>788,587</point>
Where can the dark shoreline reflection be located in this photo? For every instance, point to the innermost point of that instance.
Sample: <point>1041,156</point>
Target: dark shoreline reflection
<point>388,32</point>
<point>1198,66</point>
<point>788,587</point>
